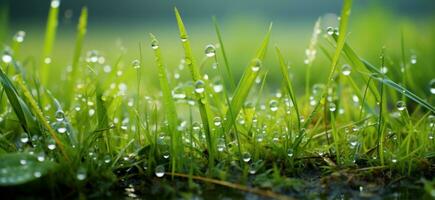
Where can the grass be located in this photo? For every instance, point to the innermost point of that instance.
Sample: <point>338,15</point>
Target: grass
<point>95,134</point>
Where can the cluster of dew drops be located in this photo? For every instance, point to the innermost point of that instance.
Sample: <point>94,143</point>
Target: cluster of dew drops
<point>61,125</point>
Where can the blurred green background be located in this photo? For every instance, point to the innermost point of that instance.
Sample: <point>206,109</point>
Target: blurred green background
<point>119,26</point>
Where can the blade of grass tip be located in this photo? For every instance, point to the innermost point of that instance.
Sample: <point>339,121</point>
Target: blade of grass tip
<point>289,88</point>
<point>50,36</point>
<point>39,115</point>
<point>288,84</point>
<point>80,37</point>
<point>224,55</point>
<point>204,109</point>
<point>169,105</point>
<point>247,81</point>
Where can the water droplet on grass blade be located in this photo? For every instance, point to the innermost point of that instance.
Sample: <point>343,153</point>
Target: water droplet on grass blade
<point>346,69</point>
<point>246,156</point>
<point>210,50</point>
<point>6,58</point>
<point>159,171</point>
<point>400,105</point>
<point>24,138</point>
<point>332,107</point>
<point>60,115</point>
<point>330,30</point>
<point>432,86</point>
<point>221,145</point>
<point>154,44</point>
<point>413,59</point>
<point>383,70</point>
<point>256,65</point>
<point>217,121</point>
<point>41,157</point>
<point>19,36</point>
<point>81,174</point>
<point>55,3</point>
<point>51,144</point>
<point>273,105</point>
<point>136,64</point>
<point>290,152</point>
<point>199,86</point>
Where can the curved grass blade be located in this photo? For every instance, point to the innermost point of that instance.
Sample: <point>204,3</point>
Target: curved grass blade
<point>363,64</point>
<point>39,115</point>
<point>80,37</point>
<point>14,100</point>
<point>246,83</point>
<point>224,55</point>
<point>169,105</point>
<point>18,173</point>
<point>204,109</point>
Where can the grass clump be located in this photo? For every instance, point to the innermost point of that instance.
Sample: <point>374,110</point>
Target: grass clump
<point>97,136</point>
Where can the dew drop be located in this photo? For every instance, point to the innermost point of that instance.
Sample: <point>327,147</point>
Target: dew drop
<point>59,115</point>
<point>413,59</point>
<point>330,30</point>
<point>256,65</point>
<point>290,152</point>
<point>136,64</point>
<point>55,3</point>
<point>400,105</point>
<point>221,145</point>
<point>92,56</point>
<point>24,138</point>
<point>246,156</point>
<point>41,157</point>
<point>252,168</point>
<point>346,69</point>
<point>6,58</point>
<point>51,144</point>
<point>332,107</point>
<point>432,86</point>
<point>159,171</point>
<point>183,38</point>
<point>154,44</point>
<point>199,86</point>
<point>19,36</point>
<point>273,105</point>
<point>81,174</point>
<point>166,154</point>
<point>210,50</point>
<point>384,70</point>
<point>37,174</point>
<point>217,121</point>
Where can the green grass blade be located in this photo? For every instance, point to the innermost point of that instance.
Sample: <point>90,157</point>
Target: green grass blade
<point>39,115</point>
<point>14,100</point>
<point>288,84</point>
<point>364,65</point>
<point>204,109</point>
<point>224,55</point>
<point>80,37</point>
<point>50,36</point>
<point>169,105</point>
<point>246,83</point>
